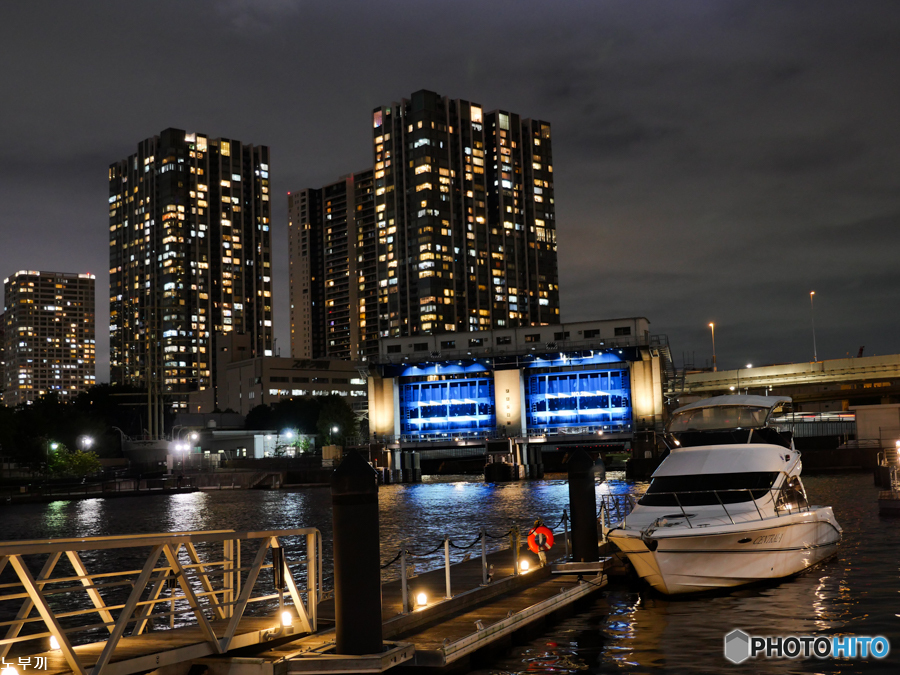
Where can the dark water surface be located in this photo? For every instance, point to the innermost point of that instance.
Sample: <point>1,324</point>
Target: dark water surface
<point>627,629</point>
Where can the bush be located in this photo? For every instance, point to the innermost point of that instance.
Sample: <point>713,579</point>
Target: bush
<point>73,463</point>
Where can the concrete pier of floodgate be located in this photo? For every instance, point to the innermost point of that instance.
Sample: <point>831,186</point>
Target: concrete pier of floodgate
<point>446,635</point>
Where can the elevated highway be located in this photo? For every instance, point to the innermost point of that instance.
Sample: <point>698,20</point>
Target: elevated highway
<point>875,376</point>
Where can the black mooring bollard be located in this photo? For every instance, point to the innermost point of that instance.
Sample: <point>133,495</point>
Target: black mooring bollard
<point>583,505</point>
<point>357,562</point>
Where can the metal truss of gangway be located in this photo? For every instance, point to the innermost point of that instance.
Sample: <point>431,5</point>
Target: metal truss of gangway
<point>193,589</point>
<point>862,369</point>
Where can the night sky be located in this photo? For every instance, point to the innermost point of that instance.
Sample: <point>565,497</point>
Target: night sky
<point>713,161</point>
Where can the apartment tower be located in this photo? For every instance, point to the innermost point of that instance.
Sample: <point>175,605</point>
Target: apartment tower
<point>189,219</point>
<point>49,335</point>
<point>332,252</point>
<point>465,218</point>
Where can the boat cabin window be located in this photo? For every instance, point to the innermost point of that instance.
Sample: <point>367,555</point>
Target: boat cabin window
<point>792,496</point>
<point>709,488</point>
<point>718,417</point>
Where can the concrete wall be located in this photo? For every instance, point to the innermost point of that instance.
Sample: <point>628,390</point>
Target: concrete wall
<point>508,398</point>
<point>382,417</point>
<point>646,389</point>
<point>878,422</point>
<point>519,340</point>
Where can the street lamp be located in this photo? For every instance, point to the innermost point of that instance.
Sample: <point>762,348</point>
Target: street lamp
<point>288,434</point>
<point>812,313</point>
<point>334,431</point>
<point>712,328</point>
<point>85,442</point>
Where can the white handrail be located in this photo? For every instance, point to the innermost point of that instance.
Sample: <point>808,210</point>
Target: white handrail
<point>197,574</point>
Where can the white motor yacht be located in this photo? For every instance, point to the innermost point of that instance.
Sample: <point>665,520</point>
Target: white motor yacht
<point>726,507</point>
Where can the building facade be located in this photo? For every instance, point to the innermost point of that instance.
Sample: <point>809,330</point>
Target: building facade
<point>465,217</point>
<point>48,335</point>
<point>266,381</point>
<point>189,220</point>
<point>577,379</point>
<point>333,289</point>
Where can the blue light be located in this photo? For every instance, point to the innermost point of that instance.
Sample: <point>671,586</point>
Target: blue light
<point>583,397</point>
<point>453,406</point>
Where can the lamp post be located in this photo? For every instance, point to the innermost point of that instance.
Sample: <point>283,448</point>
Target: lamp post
<point>186,448</point>
<point>52,446</point>
<point>812,313</point>
<point>712,328</point>
<point>85,442</point>
<point>288,434</point>
<point>334,432</point>
<point>749,365</point>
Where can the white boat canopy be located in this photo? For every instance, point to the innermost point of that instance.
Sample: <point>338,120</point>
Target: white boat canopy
<point>743,458</point>
<point>736,399</point>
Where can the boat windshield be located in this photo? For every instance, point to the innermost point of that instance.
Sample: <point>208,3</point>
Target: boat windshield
<point>708,488</point>
<point>718,417</point>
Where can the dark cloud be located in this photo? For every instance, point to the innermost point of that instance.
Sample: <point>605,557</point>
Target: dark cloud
<point>713,161</point>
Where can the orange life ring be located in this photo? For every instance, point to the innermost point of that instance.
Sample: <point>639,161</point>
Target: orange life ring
<point>540,539</point>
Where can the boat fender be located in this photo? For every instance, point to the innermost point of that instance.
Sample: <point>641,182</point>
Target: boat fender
<point>649,541</point>
<point>540,539</point>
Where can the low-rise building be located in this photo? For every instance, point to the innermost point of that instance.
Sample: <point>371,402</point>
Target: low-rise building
<point>268,380</point>
<point>244,382</point>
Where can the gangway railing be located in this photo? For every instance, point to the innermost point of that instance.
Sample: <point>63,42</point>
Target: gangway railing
<point>49,595</point>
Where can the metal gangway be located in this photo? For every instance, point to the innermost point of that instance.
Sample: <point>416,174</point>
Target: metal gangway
<point>118,605</point>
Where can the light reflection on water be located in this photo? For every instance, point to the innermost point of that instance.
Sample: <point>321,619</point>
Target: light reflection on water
<point>627,629</point>
<point>632,630</point>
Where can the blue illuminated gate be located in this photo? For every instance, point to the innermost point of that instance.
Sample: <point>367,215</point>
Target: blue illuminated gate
<point>596,399</point>
<point>447,406</point>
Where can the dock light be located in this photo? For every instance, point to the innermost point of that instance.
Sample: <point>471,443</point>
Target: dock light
<point>54,643</point>
<point>421,599</point>
<point>287,619</point>
<point>524,565</point>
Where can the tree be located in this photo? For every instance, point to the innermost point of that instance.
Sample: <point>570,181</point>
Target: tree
<point>73,463</point>
<point>259,418</point>
<point>336,413</point>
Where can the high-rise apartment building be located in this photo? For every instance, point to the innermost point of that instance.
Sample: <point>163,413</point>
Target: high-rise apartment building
<point>466,221</point>
<point>453,230</point>
<point>49,335</point>
<point>189,221</point>
<point>333,257</point>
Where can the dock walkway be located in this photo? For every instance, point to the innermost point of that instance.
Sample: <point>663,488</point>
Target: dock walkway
<point>445,630</point>
<point>442,633</point>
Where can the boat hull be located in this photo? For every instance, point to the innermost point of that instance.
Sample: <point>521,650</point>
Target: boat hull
<point>684,560</point>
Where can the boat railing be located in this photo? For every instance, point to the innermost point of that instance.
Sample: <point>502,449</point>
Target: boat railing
<point>94,589</point>
<point>615,509</point>
<point>781,500</point>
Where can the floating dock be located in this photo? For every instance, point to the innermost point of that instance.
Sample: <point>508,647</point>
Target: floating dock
<point>445,632</point>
